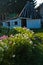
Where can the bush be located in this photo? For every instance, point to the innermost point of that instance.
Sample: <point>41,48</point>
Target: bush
<point>7,31</point>
<point>21,48</point>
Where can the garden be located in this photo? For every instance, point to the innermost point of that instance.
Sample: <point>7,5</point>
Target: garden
<point>21,46</point>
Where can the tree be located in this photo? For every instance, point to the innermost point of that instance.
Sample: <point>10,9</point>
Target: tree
<point>21,3</point>
<point>15,6</point>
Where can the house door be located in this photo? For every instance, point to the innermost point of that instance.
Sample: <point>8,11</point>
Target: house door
<point>23,23</point>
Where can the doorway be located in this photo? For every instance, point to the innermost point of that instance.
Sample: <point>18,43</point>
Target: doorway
<point>23,23</point>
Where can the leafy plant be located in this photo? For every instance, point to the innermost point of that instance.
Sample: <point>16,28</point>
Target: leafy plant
<point>21,47</point>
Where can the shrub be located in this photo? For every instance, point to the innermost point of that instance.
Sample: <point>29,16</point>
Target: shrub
<point>21,48</point>
<point>7,31</point>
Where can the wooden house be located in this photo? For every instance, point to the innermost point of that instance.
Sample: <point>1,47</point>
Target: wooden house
<point>27,18</point>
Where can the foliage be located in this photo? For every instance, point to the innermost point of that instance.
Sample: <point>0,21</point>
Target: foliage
<point>21,3</point>
<point>7,31</point>
<point>12,6</point>
<point>21,47</point>
<point>39,33</point>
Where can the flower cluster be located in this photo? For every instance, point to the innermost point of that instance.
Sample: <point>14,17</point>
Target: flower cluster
<point>19,47</point>
<point>3,37</point>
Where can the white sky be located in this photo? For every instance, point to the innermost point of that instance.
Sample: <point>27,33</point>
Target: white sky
<point>39,2</point>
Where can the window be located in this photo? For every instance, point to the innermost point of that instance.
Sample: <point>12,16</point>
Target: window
<point>16,23</point>
<point>8,23</point>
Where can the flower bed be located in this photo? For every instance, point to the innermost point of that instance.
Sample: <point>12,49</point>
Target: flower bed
<point>21,47</point>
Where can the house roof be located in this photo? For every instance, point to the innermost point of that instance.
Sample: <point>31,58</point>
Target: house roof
<point>28,11</point>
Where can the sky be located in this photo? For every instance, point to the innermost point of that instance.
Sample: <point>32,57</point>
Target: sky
<point>39,2</point>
